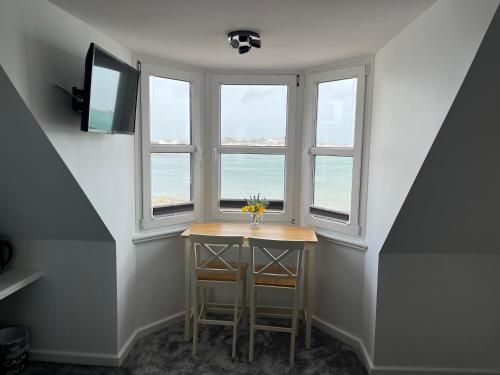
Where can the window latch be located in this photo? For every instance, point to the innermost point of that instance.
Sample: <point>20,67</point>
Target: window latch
<point>215,155</point>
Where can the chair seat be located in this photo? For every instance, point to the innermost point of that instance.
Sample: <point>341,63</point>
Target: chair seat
<point>227,276</point>
<point>275,281</point>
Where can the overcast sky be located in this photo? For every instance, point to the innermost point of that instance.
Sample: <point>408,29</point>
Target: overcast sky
<point>253,111</point>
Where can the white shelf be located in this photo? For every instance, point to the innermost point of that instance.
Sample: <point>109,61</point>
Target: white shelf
<point>11,280</point>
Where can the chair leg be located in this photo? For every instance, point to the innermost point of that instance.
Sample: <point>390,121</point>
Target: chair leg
<point>252,321</point>
<point>235,320</point>
<point>244,304</point>
<point>294,327</point>
<point>204,301</point>
<point>195,319</point>
<point>298,324</point>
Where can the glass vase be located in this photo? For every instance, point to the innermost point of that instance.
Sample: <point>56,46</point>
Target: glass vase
<point>256,220</point>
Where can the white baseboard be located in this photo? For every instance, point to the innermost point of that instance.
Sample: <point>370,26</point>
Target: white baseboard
<point>100,359</point>
<point>401,370</point>
<point>347,338</point>
<point>147,330</point>
<point>359,345</point>
<point>366,358</point>
<point>79,358</point>
<point>337,332</point>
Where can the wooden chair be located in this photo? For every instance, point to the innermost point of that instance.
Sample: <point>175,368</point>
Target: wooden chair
<point>216,271</point>
<point>275,275</point>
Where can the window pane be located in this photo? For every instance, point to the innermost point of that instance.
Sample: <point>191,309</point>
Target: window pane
<point>253,115</point>
<point>243,175</point>
<point>333,183</point>
<point>336,115</point>
<point>170,178</point>
<point>170,111</point>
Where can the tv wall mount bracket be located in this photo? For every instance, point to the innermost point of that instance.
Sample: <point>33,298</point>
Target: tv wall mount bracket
<point>77,96</point>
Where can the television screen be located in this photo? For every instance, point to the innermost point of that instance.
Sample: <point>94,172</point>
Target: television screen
<point>110,93</point>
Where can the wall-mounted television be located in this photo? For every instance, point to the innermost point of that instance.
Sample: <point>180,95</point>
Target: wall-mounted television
<point>109,97</point>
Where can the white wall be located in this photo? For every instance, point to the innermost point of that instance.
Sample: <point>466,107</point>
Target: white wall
<point>61,234</point>
<point>71,311</point>
<point>439,286</point>
<point>439,311</point>
<point>160,280</point>
<point>339,286</point>
<point>42,45</point>
<point>338,278</point>
<point>417,76</point>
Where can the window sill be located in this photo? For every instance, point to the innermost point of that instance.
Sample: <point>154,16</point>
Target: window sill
<point>173,231</point>
<point>356,243</point>
<point>157,234</point>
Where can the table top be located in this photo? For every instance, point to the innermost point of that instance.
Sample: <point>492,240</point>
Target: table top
<point>269,231</point>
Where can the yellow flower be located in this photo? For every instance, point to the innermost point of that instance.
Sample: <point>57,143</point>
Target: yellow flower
<point>254,209</point>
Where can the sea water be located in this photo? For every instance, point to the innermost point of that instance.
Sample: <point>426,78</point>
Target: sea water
<point>243,175</point>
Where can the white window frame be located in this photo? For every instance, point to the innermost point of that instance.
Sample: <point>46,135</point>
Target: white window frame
<point>310,151</point>
<point>213,163</point>
<point>196,149</point>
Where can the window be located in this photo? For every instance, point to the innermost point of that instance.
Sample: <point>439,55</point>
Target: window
<point>171,139</point>
<point>253,125</point>
<point>333,130</point>
<point>250,140</point>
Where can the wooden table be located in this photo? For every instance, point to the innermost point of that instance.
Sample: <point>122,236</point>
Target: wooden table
<point>268,231</point>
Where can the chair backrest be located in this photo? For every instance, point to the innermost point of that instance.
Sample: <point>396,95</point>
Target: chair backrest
<point>217,249</point>
<point>275,266</point>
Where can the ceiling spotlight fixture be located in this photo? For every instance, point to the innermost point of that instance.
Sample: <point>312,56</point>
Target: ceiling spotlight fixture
<point>243,40</point>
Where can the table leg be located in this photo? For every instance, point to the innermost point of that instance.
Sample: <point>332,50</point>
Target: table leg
<point>187,289</point>
<point>308,294</point>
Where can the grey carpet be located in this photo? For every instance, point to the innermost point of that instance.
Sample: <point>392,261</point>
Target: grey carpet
<point>165,352</point>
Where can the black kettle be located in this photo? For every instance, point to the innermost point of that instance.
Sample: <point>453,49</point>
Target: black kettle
<point>6,252</point>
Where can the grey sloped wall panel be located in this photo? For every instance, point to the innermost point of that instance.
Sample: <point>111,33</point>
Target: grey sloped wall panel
<point>438,279</point>
<point>454,202</point>
<point>39,197</point>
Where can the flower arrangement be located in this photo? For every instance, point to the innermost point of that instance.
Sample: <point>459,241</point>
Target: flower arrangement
<point>256,206</point>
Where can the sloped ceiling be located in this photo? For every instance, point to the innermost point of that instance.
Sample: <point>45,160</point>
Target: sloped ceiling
<point>39,197</point>
<point>454,203</point>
